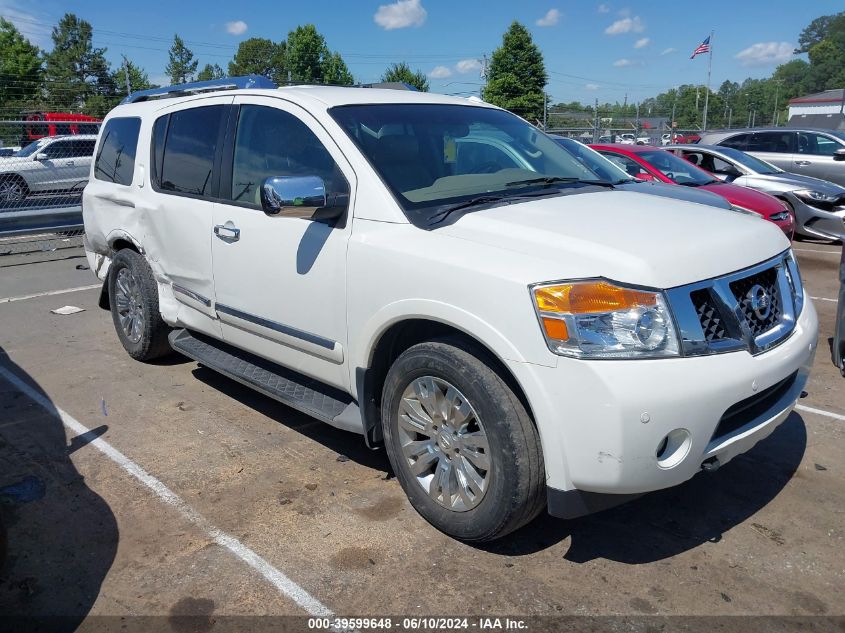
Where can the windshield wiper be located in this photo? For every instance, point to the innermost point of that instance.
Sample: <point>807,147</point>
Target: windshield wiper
<point>472,202</point>
<point>553,180</point>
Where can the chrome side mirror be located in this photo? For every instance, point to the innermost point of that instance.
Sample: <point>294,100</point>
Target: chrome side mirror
<point>295,197</point>
<point>41,157</point>
<point>839,154</point>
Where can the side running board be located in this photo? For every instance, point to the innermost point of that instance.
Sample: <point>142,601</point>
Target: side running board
<point>300,392</point>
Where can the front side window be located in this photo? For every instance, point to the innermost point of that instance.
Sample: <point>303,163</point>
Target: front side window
<point>188,150</point>
<point>115,160</point>
<point>59,149</point>
<point>273,143</point>
<point>433,157</point>
<point>817,144</point>
<point>750,162</point>
<point>676,168</point>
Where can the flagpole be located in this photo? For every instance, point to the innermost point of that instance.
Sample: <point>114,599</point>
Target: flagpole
<point>707,94</point>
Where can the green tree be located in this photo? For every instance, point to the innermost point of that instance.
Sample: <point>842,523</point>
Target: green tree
<point>77,74</point>
<point>517,75</point>
<point>20,70</point>
<point>821,28</point>
<point>182,64</point>
<point>138,79</point>
<point>308,58</point>
<point>259,56</point>
<point>402,72</point>
<point>210,71</point>
<point>827,66</point>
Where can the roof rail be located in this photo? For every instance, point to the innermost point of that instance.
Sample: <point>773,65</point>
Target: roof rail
<point>196,87</point>
<point>389,85</point>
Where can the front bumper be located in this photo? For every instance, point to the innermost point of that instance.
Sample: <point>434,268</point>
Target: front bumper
<point>811,221</point>
<point>602,423</point>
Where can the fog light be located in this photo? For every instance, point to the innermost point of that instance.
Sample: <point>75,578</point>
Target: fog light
<point>673,448</point>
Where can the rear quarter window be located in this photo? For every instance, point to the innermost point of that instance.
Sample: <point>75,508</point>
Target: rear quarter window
<point>115,159</point>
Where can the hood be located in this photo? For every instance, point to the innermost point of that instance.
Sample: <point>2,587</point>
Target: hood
<point>624,236</point>
<point>688,194</point>
<point>745,197</point>
<point>785,181</point>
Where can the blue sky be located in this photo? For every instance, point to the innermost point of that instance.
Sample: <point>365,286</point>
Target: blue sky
<point>592,48</point>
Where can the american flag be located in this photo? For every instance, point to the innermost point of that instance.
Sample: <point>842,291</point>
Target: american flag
<point>704,47</point>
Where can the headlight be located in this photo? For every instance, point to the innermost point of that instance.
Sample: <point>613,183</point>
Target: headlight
<point>598,319</point>
<point>816,196</point>
<point>793,275</point>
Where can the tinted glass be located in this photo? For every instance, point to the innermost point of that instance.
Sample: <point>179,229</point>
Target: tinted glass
<point>749,161</point>
<point>83,148</point>
<point>115,160</point>
<point>59,149</point>
<point>189,150</point>
<point>631,167</point>
<point>773,142</point>
<point>604,168</point>
<point>415,150</point>
<point>159,132</point>
<point>676,168</point>
<point>269,143</point>
<point>738,142</point>
<point>818,144</point>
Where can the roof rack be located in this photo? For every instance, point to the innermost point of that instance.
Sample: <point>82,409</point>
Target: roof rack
<point>389,85</point>
<point>198,87</point>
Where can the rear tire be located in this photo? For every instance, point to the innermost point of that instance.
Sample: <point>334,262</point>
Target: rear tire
<point>446,413</point>
<point>133,296</point>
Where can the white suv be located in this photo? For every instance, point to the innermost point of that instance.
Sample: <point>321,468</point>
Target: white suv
<point>516,333</point>
<point>48,165</point>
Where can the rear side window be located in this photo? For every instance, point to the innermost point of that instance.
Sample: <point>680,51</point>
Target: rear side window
<point>773,142</point>
<point>187,153</point>
<point>737,142</point>
<point>115,161</point>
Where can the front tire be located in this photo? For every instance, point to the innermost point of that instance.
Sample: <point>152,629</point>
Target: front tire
<point>460,441</point>
<point>133,296</point>
<point>13,190</point>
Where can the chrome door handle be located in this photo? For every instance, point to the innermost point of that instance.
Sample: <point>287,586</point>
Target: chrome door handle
<point>70,163</point>
<point>803,162</point>
<point>227,232</point>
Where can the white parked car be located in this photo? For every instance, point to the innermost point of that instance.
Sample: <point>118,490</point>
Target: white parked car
<point>626,139</point>
<point>513,331</point>
<point>50,164</point>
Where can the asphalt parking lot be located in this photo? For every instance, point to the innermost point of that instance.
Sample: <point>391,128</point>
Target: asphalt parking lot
<point>167,490</point>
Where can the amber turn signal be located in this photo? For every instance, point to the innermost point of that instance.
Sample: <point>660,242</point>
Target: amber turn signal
<point>590,297</point>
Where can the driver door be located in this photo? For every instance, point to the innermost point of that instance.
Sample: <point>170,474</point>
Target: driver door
<point>280,282</point>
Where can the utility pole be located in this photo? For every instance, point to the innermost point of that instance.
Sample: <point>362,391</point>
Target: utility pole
<point>672,122</point>
<point>596,122</point>
<point>730,115</point>
<point>545,110</point>
<point>637,123</point>
<point>707,94</point>
<point>484,67</point>
<point>775,113</point>
<point>126,75</point>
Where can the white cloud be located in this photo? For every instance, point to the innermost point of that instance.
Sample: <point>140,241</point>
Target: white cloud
<point>468,65</point>
<point>765,54</point>
<point>668,51</point>
<point>440,72</point>
<point>592,86</point>
<point>401,14</point>
<point>625,62</point>
<point>32,28</point>
<point>626,25</point>
<point>237,27</point>
<point>551,18</point>
<point>640,43</point>
<point>603,8</point>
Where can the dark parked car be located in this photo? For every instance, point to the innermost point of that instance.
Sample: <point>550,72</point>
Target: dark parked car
<point>839,332</point>
<point>817,153</point>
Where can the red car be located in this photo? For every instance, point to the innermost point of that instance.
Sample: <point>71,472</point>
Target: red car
<point>651,163</point>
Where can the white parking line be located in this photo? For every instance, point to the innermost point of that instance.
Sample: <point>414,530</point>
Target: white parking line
<point>49,293</point>
<point>812,250</point>
<point>823,299</point>
<point>285,585</point>
<point>826,414</point>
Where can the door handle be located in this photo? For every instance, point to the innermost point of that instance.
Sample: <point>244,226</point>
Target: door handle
<point>227,232</point>
<point>70,163</point>
<point>803,163</point>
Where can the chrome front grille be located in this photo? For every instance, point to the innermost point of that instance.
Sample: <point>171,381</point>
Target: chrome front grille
<point>752,309</point>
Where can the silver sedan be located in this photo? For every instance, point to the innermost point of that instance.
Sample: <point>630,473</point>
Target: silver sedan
<point>818,205</point>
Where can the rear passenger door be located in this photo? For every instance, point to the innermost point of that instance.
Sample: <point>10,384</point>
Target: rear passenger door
<point>280,282</point>
<point>176,214</point>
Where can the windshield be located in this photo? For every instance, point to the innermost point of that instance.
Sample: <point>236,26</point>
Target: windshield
<point>677,169</point>
<point>436,156</point>
<point>30,149</point>
<point>604,168</point>
<point>746,160</point>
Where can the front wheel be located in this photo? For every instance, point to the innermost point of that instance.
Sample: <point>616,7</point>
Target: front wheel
<point>133,296</point>
<point>13,189</point>
<point>460,441</point>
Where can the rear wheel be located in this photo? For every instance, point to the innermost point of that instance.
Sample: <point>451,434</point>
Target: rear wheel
<point>461,443</point>
<point>12,189</point>
<point>133,296</point>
